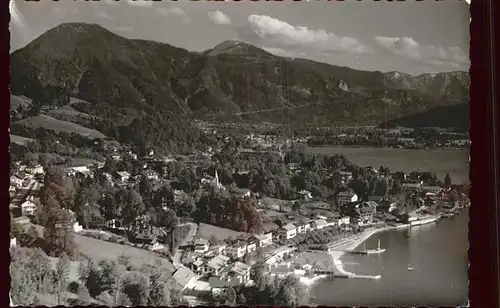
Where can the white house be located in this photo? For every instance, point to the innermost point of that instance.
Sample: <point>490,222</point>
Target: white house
<point>77,227</point>
<point>302,227</point>
<point>251,246</point>
<point>344,221</point>
<point>28,207</point>
<point>35,170</point>
<point>237,250</point>
<point>219,248</point>
<point>201,245</point>
<point>345,197</point>
<point>197,267</point>
<point>288,231</point>
<point>16,180</point>
<point>13,242</point>
<point>123,176</point>
<point>345,176</point>
<point>151,175</point>
<point>319,224</point>
<point>238,271</point>
<point>264,239</point>
<point>306,195</point>
<point>216,264</point>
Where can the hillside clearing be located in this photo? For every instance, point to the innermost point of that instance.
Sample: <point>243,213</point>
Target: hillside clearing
<point>19,140</point>
<point>98,250</point>
<point>48,122</point>
<point>207,231</point>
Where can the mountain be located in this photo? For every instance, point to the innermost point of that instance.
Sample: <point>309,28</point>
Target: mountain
<point>127,79</point>
<point>456,116</point>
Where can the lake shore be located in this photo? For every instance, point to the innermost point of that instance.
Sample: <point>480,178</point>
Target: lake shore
<point>338,249</point>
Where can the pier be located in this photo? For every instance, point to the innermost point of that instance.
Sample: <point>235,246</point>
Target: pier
<point>338,274</point>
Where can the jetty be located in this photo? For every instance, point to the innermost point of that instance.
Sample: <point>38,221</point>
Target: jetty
<point>342,274</point>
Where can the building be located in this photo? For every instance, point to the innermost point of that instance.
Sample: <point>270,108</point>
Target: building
<point>28,207</point>
<point>264,239</point>
<point>319,224</point>
<point>345,197</point>
<point>237,250</point>
<point>215,265</point>
<point>219,249</point>
<point>123,176</point>
<point>201,245</point>
<point>198,267</point>
<point>302,226</point>
<point>344,221</point>
<point>364,212</point>
<point>238,271</point>
<point>305,194</point>
<point>13,242</point>
<point>288,231</point>
<point>151,175</point>
<point>251,246</point>
<point>345,176</point>
<point>35,170</point>
<point>16,181</point>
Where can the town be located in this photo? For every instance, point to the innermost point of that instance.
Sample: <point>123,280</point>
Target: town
<point>229,218</point>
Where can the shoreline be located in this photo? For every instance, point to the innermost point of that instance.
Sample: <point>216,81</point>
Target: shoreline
<point>355,241</point>
<point>375,147</point>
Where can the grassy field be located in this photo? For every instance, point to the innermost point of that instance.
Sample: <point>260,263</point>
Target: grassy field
<point>19,140</point>
<point>207,231</point>
<point>100,250</point>
<point>60,126</point>
<point>16,101</point>
<point>67,113</point>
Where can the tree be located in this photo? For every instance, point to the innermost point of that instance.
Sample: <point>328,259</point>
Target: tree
<point>58,233</point>
<point>396,188</point>
<point>136,286</point>
<point>91,276</point>
<point>296,206</point>
<point>447,180</point>
<point>133,207</point>
<point>230,296</point>
<point>87,206</point>
<point>241,300</point>
<point>61,276</point>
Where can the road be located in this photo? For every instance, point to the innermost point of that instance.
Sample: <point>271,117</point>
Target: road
<point>193,229</point>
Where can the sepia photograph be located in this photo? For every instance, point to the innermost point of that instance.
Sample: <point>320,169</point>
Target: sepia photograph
<point>239,153</point>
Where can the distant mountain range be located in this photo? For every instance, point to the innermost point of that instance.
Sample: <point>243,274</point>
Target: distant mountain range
<point>233,81</point>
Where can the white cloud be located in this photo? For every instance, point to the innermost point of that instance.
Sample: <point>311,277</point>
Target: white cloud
<point>141,3</point>
<point>275,33</point>
<point>437,56</point>
<point>104,16</point>
<point>219,18</point>
<point>174,11</point>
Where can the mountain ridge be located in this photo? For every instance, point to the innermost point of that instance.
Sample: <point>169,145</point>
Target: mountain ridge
<point>110,71</point>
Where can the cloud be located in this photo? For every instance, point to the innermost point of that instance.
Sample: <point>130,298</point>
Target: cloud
<point>174,11</point>
<point>408,48</point>
<point>141,3</point>
<point>219,18</point>
<point>104,16</point>
<point>274,33</point>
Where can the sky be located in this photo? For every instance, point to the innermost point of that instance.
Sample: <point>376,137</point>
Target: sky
<point>410,37</point>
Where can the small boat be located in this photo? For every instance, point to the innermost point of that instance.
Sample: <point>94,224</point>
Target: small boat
<point>410,268</point>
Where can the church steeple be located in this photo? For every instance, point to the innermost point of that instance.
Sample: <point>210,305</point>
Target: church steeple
<point>216,178</point>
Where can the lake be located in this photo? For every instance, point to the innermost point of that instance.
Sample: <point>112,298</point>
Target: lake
<point>438,161</point>
<point>438,253</point>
